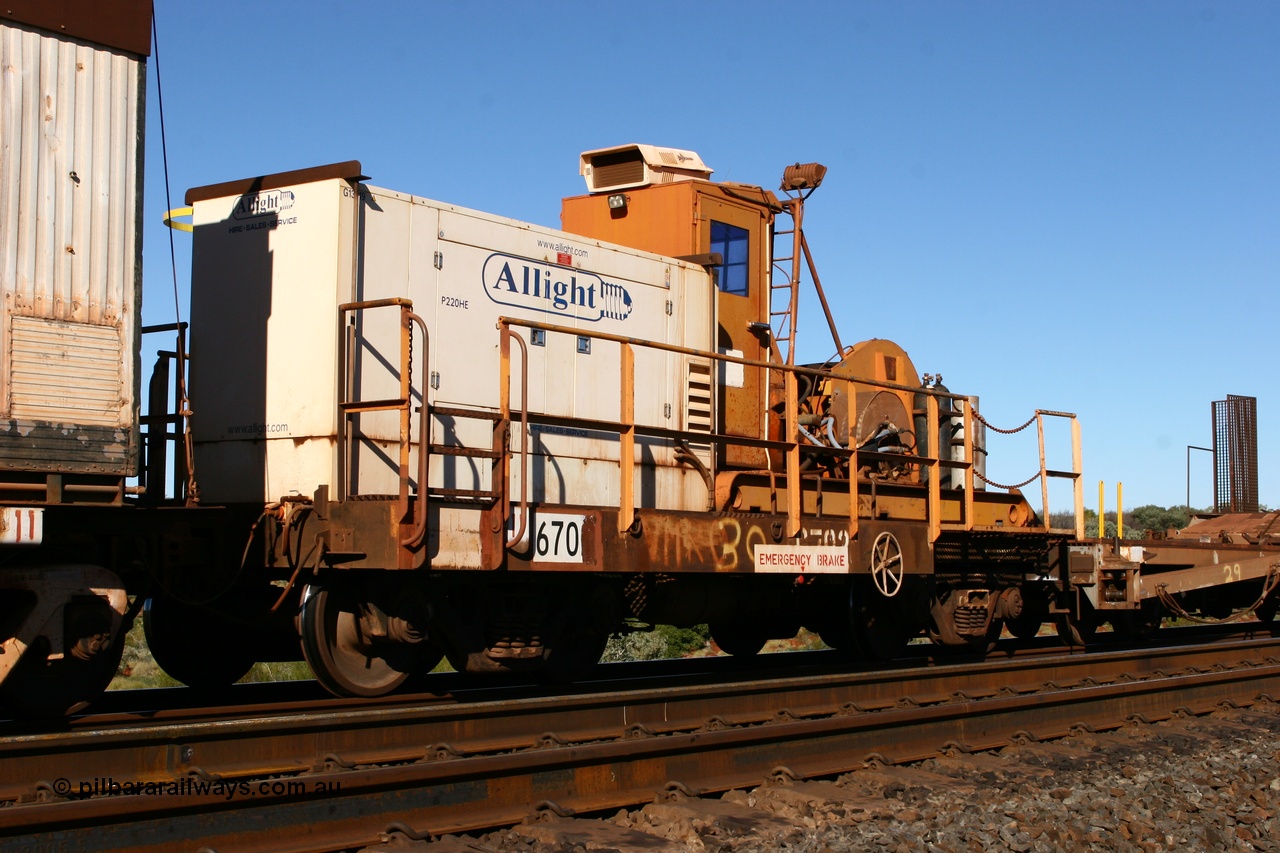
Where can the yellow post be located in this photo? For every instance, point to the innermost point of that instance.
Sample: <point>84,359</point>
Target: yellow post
<point>1119,510</point>
<point>1102,515</point>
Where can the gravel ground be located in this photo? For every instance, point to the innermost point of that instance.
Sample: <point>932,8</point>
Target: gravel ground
<point>1201,783</point>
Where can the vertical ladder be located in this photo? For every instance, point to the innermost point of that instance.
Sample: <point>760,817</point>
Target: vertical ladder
<point>799,182</point>
<point>784,282</point>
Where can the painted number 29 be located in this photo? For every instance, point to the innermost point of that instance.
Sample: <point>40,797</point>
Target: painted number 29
<point>558,538</point>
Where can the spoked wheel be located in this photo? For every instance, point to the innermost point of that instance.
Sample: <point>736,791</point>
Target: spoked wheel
<point>886,564</point>
<point>194,645</point>
<point>39,687</point>
<point>347,645</point>
<point>738,640</point>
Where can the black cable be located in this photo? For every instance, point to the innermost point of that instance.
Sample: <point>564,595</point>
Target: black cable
<point>164,156</point>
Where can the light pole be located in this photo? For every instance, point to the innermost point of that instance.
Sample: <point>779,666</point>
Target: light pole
<point>1191,447</point>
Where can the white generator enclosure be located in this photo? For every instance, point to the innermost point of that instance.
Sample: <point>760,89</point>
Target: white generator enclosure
<point>275,354</point>
<point>70,248</point>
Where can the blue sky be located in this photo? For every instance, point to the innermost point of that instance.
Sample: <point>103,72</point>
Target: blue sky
<point>1068,206</point>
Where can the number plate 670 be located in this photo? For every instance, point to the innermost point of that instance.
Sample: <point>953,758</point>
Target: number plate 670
<point>557,538</point>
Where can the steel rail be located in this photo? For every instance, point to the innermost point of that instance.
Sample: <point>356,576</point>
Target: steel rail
<point>442,770</point>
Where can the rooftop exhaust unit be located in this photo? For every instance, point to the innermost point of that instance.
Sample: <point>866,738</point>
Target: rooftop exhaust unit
<point>628,166</point>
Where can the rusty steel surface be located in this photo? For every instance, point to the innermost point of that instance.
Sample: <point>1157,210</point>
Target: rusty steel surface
<point>1261,528</point>
<point>113,23</point>
<point>226,785</point>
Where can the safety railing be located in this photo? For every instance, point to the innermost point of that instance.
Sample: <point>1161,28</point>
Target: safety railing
<point>1075,475</point>
<point>349,407</point>
<point>790,447</point>
<point>166,429</point>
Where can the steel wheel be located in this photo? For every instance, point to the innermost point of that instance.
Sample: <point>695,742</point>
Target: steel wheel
<point>1035,612</point>
<point>883,628</point>
<point>345,660</point>
<point>1080,628</point>
<point>1138,624</point>
<point>572,658</point>
<point>738,640</point>
<point>38,687</point>
<point>193,645</point>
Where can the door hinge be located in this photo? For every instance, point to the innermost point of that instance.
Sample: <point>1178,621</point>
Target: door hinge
<point>435,379</point>
<point>439,260</point>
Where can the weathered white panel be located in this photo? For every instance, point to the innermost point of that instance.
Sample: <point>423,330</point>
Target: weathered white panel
<point>68,178</point>
<point>66,372</point>
<point>590,482</point>
<point>70,246</point>
<point>396,259</point>
<point>264,292</point>
<point>264,300</point>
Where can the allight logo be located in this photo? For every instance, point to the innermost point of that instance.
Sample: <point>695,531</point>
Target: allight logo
<point>524,283</point>
<point>263,204</point>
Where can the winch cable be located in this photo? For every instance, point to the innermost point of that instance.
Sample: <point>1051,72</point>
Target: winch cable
<point>184,404</point>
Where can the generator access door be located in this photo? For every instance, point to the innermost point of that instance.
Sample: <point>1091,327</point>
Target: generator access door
<point>739,233</point>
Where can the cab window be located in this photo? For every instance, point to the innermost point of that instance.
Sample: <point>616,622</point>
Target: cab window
<point>731,242</point>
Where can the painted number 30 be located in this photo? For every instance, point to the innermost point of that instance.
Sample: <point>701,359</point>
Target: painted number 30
<point>559,539</point>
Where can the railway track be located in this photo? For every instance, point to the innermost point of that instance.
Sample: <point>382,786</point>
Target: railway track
<point>341,776</point>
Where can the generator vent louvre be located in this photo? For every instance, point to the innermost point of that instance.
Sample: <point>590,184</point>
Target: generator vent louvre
<point>697,410</point>
<point>698,397</point>
<point>618,169</point>
<point>66,373</point>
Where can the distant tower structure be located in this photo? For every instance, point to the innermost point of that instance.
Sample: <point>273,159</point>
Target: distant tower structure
<point>1235,454</point>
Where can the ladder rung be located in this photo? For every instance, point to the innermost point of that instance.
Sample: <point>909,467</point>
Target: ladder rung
<point>1070,475</point>
<point>479,414</point>
<point>464,493</point>
<point>372,405</point>
<point>456,450</point>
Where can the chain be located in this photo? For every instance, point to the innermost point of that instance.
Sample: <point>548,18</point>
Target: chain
<point>994,428</point>
<point>1269,585</point>
<point>994,484</point>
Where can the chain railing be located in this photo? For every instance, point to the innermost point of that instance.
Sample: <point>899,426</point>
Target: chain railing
<point>789,447</point>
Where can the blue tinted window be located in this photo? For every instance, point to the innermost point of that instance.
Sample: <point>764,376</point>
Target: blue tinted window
<point>731,242</point>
